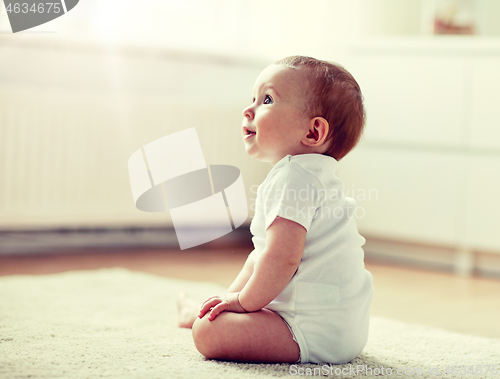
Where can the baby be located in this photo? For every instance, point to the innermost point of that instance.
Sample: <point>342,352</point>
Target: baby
<point>303,294</point>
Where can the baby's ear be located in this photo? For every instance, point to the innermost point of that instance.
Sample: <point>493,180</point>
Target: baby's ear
<point>317,132</point>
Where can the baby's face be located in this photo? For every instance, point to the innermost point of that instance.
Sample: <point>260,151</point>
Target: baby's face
<point>275,123</point>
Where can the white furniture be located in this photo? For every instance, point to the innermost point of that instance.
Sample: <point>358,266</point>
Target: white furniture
<point>432,144</point>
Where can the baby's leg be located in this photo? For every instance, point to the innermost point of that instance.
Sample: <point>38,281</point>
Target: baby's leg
<point>188,310</point>
<point>259,336</point>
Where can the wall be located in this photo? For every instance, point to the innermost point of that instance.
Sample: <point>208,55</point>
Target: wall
<point>107,79</point>
<point>72,114</point>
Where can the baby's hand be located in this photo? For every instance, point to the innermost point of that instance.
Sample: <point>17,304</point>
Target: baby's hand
<point>217,304</point>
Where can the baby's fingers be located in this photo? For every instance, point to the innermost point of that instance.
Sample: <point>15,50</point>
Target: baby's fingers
<point>208,304</point>
<point>219,308</point>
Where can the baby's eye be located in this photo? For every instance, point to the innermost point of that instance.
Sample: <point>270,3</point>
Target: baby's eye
<point>268,100</point>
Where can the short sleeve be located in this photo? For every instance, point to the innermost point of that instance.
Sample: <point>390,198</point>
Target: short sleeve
<point>292,193</point>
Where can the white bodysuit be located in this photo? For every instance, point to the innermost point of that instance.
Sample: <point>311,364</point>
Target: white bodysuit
<point>326,304</point>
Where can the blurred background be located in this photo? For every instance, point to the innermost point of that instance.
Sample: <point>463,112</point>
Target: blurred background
<point>80,94</point>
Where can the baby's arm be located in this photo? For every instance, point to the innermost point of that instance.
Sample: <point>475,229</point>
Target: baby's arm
<point>245,274</point>
<point>273,270</point>
<point>278,262</point>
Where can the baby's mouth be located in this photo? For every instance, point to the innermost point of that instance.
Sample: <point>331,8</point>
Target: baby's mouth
<point>248,133</point>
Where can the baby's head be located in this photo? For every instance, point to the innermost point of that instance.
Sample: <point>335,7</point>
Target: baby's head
<point>303,105</point>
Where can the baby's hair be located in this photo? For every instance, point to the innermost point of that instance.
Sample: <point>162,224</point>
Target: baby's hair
<point>334,95</point>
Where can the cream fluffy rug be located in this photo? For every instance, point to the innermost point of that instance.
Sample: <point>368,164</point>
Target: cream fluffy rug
<point>115,323</point>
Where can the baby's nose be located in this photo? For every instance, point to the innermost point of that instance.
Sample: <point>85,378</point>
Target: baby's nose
<point>247,112</point>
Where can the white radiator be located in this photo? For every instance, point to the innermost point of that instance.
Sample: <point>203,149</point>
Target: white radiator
<point>65,142</point>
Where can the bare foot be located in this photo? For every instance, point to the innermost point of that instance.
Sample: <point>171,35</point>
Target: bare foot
<point>188,310</point>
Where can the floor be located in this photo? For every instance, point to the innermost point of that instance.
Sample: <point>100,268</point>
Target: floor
<point>467,305</point>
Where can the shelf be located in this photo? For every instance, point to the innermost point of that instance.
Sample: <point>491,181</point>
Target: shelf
<point>94,46</point>
<point>426,45</point>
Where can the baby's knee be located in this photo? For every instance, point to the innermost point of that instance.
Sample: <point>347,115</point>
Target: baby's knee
<point>205,337</point>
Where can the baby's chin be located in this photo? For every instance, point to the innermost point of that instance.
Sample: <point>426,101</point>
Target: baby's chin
<point>251,152</point>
